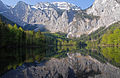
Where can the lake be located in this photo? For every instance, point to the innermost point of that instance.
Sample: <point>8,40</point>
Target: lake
<point>13,58</point>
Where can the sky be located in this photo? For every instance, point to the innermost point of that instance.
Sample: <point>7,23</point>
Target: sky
<point>83,4</point>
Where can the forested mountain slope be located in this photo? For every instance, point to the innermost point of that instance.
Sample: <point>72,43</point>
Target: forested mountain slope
<point>109,36</point>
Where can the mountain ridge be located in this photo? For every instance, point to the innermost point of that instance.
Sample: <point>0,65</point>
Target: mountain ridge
<point>72,21</point>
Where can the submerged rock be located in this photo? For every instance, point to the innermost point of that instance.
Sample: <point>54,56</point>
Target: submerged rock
<point>73,66</point>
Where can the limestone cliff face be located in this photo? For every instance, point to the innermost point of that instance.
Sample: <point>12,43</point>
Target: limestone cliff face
<point>108,10</point>
<point>82,24</point>
<point>54,17</point>
<point>46,14</point>
<point>2,6</point>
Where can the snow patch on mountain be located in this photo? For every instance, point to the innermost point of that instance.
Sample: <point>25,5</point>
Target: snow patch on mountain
<point>65,6</point>
<point>55,5</point>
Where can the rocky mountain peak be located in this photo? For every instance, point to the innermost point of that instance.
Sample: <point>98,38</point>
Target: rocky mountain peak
<point>21,2</point>
<point>99,7</point>
<point>65,6</point>
<point>118,1</point>
<point>1,2</point>
<point>55,17</point>
<point>56,5</point>
<point>2,7</point>
<point>65,17</point>
<point>106,9</point>
<point>43,6</point>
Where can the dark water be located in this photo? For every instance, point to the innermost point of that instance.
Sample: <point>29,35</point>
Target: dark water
<point>12,58</point>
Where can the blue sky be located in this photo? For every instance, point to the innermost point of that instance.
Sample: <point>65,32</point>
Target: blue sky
<point>81,3</point>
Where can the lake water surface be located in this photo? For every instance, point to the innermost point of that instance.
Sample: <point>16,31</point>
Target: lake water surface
<point>12,58</point>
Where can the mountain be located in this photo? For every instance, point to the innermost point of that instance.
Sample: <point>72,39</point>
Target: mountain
<point>55,5</point>
<point>7,12</point>
<point>65,6</point>
<point>2,7</point>
<point>64,17</point>
<point>5,20</point>
<point>55,17</point>
<point>108,10</point>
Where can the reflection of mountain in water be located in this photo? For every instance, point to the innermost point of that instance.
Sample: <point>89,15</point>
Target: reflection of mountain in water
<point>12,58</point>
<point>74,66</point>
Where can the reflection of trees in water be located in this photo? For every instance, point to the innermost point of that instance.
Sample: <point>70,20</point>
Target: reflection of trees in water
<point>104,54</point>
<point>112,54</point>
<point>59,51</point>
<point>108,54</point>
<point>12,58</point>
<point>93,52</point>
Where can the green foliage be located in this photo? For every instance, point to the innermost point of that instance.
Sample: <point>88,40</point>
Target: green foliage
<point>112,54</point>
<point>12,36</point>
<point>58,39</point>
<point>92,39</point>
<point>112,36</point>
<point>103,36</point>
